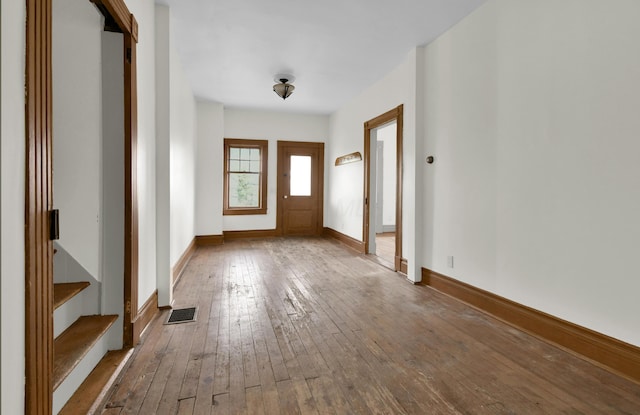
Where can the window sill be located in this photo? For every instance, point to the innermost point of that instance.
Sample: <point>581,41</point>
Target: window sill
<point>227,212</point>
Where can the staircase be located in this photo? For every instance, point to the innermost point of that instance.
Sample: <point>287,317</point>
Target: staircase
<point>84,367</point>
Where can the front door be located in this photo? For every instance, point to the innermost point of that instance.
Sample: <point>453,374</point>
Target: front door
<point>300,188</point>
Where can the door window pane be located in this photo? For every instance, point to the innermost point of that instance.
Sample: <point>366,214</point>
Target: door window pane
<point>300,176</point>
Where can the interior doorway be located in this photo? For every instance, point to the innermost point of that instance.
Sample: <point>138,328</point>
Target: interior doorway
<point>384,192</point>
<point>300,188</point>
<point>40,218</point>
<point>382,230</point>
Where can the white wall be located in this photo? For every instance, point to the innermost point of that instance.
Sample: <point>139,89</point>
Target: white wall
<point>77,130</point>
<point>175,156</point>
<point>112,177</point>
<point>209,180</point>
<point>343,201</point>
<point>12,168</point>
<point>272,126</point>
<point>144,12</point>
<point>183,159</point>
<point>163,155</point>
<point>531,114</point>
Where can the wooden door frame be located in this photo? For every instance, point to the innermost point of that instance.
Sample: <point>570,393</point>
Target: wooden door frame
<point>280,184</point>
<point>396,114</point>
<point>39,192</point>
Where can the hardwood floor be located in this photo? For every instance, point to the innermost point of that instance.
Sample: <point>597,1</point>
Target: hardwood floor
<point>304,325</point>
<point>386,246</point>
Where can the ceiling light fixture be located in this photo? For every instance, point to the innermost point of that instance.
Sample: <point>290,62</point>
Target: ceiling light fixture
<point>283,88</point>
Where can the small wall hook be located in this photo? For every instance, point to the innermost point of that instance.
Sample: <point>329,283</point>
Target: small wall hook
<point>430,159</point>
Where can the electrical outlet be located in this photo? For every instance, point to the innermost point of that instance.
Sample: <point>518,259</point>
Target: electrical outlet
<point>450,261</point>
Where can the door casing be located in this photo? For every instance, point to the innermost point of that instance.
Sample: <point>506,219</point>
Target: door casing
<point>39,193</point>
<point>396,114</point>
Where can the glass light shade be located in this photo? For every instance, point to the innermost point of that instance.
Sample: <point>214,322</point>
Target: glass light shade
<point>284,90</point>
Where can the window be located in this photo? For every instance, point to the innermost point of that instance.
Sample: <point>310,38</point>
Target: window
<point>300,177</point>
<point>245,177</point>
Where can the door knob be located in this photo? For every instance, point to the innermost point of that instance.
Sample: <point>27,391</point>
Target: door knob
<point>285,196</point>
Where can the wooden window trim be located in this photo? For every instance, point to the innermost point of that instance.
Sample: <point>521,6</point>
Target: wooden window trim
<point>263,145</point>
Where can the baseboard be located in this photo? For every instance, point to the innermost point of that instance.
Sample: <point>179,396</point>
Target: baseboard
<point>388,228</point>
<point>402,265</point>
<point>615,355</point>
<point>345,239</point>
<point>181,264</point>
<point>209,240</point>
<point>146,313</point>
<point>266,233</point>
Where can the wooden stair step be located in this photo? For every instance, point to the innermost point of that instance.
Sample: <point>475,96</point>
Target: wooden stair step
<point>73,344</point>
<point>90,396</point>
<point>64,292</point>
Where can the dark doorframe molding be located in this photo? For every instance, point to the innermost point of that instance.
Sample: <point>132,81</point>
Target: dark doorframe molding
<point>39,193</point>
<point>395,114</point>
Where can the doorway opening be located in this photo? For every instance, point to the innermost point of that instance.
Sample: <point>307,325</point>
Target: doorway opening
<point>383,167</point>
<point>41,220</point>
<point>383,189</point>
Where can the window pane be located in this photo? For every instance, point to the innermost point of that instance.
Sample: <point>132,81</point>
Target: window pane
<point>234,165</point>
<point>244,165</point>
<point>234,153</point>
<point>244,190</point>
<point>244,153</point>
<point>300,177</point>
<point>255,154</point>
<point>255,166</point>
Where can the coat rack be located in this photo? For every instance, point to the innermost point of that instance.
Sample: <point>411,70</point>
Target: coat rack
<point>349,158</point>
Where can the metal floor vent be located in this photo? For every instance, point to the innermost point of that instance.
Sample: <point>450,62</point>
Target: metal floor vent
<point>182,315</point>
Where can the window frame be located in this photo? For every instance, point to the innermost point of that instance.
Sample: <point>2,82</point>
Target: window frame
<point>263,146</point>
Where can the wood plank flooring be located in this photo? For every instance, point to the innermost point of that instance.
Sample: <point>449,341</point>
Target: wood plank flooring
<point>386,246</point>
<point>305,326</point>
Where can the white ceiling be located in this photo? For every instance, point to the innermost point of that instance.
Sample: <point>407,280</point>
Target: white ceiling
<point>231,49</point>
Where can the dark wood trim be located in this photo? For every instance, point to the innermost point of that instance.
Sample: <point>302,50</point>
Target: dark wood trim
<point>395,114</point>
<point>209,240</point>
<point>181,263</point>
<point>403,265</point>
<point>145,314</point>
<point>266,233</point>
<point>348,158</point>
<point>117,13</point>
<point>345,239</point>
<point>613,354</point>
<point>263,146</point>
<point>131,191</point>
<point>38,203</point>
<point>399,184</point>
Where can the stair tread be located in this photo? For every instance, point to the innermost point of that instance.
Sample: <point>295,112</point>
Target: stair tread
<point>73,344</point>
<point>63,292</point>
<point>95,387</point>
